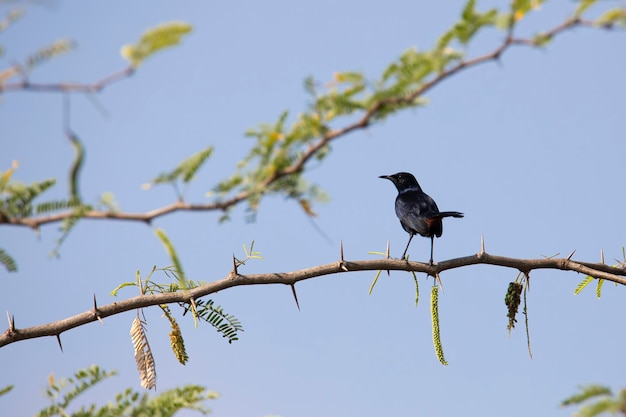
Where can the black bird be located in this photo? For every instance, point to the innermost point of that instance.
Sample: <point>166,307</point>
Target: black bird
<point>417,211</point>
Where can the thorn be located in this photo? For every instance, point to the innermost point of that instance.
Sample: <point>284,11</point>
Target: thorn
<point>234,271</point>
<point>96,313</point>
<point>482,245</point>
<point>342,265</point>
<point>602,256</point>
<point>571,254</point>
<point>194,309</point>
<point>59,340</point>
<point>439,282</point>
<point>11,322</point>
<point>295,296</point>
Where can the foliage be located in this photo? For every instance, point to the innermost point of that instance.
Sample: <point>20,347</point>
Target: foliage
<point>588,279</point>
<point>280,155</point>
<point>63,393</point>
<point>595,400</point>
<point>154,40</point>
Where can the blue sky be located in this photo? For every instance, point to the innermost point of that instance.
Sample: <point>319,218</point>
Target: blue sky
<point>530,149</point>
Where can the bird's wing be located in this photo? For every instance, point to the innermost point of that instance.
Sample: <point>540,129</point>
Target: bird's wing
<point>414,211</point>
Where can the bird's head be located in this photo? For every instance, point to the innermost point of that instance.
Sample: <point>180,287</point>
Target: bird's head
<point>403,181</point>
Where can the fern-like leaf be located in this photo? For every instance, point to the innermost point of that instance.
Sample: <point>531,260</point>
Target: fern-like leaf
<point>583,284</point>
<point>20,197</point>
<point>143,354</point>
<point>79,159</point>
<point>57,205</point>
<point>599,288</point>
<point>68,224</point>
<point>586,393</point>
<point>5,390</point>
<point>154,40</point>
<point>226,324</point>
<point>48,52</point>
<point>7,261</point>
<point>171,251</point>
<point>186,170</point>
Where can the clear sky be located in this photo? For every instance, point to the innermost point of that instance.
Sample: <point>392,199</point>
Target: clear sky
<point>530,149</point>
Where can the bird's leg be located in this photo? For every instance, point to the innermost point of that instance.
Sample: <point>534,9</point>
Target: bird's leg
<point>407,246</point>
<point>432,242</point>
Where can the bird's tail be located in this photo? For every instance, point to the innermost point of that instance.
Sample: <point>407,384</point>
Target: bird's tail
<point>443,214</point>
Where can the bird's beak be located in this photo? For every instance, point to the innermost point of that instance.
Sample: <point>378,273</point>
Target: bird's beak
<point>385,177</point>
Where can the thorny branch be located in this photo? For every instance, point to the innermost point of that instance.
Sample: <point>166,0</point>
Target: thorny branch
<point>235,279</point>
<point>298,165</point>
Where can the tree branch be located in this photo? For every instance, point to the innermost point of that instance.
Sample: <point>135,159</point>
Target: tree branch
<point>298,165</point>
<point>13,334</point>
<point>68,87</point>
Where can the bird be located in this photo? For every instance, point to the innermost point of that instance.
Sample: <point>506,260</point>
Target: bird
<point>417,211</point>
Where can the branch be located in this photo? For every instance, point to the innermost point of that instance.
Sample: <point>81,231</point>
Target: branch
<point>68,87</point>
<point>298,165</point>
<point>234,279</point>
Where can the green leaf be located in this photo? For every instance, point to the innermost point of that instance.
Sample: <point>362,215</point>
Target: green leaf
<point>468,10</point>
<point>173,256</point>
<point>18,202</point>
<point>226,324</point>
<point>46,53</point>
<point>5,390</point>
<point>7,261</point>
<point>587,392</point>
<point>612,17</point>
<point>542,39</point>
<point>599,288</point>
<point>583,284</point>
<point>186,170</point>
<point>79,160</point>
<point>583,5</point>
<point>155,39</point>
<point>49,206</point>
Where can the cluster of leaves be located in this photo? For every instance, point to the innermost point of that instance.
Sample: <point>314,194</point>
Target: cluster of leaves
<point>276,162</point>
<point>17,200</point>
<point>225,324</point>
<point>588,279</point>
<point>63,392</point>
<point>43,54</point>
<point>604,401</point>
